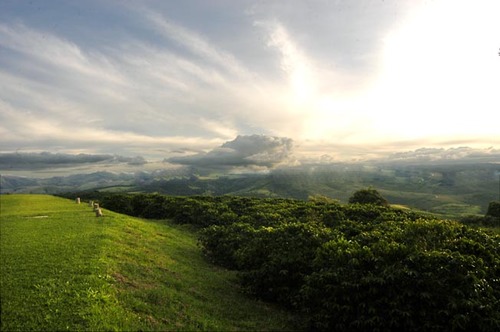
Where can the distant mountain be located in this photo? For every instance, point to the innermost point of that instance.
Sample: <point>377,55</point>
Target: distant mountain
<point>444,188</point>
<point>16,184</point>
<point>13,183</point>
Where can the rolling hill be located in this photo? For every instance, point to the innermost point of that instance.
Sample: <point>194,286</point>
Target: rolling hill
<point>450,190</point>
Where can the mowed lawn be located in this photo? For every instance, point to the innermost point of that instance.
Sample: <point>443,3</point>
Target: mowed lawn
<point>64,269</point>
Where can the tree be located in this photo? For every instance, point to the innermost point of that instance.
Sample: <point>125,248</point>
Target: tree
<point>494,209</point>
<point>368,196</point>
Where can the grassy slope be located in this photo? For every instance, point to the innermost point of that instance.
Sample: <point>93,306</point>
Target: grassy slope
<point>64,269</point>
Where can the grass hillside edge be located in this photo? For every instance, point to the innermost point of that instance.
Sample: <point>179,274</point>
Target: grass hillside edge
<point>64,269</point>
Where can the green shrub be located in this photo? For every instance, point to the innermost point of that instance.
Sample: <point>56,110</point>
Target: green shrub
<point>118,202</point>
<point>494,210</point>
<point>364,213</point>
<point>275,260</point>
<point>368,196</point>
<point>413,276</point>
<point>220,244</point>
<point>203,213</point>
<point>485,221</point>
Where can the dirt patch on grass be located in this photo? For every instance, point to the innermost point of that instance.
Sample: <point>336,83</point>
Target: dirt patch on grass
<point>125,282</point>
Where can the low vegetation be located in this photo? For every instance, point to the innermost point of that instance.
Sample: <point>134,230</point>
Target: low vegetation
<point>264,264</point>
<point>353,267</point>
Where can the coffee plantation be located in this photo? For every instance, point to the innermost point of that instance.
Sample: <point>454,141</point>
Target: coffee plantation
<point>343,267</point>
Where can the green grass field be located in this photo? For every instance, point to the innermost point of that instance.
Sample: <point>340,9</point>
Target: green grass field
<point>64,269</point>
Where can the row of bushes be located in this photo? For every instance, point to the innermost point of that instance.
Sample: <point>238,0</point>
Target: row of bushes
<point>349,267</point>
<point>393,275</point>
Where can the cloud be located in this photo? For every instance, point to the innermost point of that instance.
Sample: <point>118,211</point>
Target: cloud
<point>45,160</point>
<point>196,44</point>
<point>341,78</point>
<point>450,155</point>
<point>243,151</point>
<point>54,93</point>
<point>134,161</point>
<point>131,93</point>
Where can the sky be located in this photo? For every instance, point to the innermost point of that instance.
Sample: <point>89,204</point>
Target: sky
<point>248,81</point>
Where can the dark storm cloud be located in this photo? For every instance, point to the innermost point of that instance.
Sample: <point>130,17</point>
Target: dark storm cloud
<point>244,151</point>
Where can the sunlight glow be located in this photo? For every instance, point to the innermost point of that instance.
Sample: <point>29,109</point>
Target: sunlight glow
<point>437,69</point>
